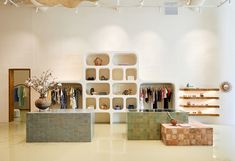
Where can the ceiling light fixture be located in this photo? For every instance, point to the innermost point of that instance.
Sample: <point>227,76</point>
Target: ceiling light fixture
<point>117,5</point>
<point>65,3</point>
<point>39,6</point>
<point>141,3</point>
<point>11,2</point>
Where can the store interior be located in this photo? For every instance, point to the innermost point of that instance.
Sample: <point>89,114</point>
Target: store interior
<point>182,48</point>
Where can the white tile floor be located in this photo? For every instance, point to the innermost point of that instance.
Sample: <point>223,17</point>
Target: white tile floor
<point>110,144</point>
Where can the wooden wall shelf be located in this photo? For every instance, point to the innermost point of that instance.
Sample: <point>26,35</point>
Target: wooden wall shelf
<point>199,89</point>
<point>200,106</point>
<point>199,97</point>
<point>192,100</point>
<point>203,114</point>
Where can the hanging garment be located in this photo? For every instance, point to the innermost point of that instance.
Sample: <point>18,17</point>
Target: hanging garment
<point>76,95</point>
<point>53,97</point>
<point>165,92</point>
<point>159,95</point>
<point>166,103</point>
<point>73,103</point>
<point>155,100</point>
<point>63,99</point>
<point>146,95</point>
<point>49,95</point>
<point>169,95</point>
<point>20,95</point>
<point>58,93</point>
<point>16,98</point>
<point>24,92</point>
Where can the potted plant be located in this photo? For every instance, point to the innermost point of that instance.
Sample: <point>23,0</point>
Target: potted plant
<point>42,85</point>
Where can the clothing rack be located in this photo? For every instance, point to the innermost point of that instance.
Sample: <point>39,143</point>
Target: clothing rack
<point>157,96</point>
<point>69,95</point>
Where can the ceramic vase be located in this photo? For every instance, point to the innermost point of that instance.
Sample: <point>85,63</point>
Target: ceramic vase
<point>42,103</point>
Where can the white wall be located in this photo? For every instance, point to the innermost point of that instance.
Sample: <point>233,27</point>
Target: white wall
<point>190,47</point>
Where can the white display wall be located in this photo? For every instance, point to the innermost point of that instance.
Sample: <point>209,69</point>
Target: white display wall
<point>192,47</point>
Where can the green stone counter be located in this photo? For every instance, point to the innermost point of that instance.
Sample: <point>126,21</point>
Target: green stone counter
<point>147,125</point>
<point>60,126</point>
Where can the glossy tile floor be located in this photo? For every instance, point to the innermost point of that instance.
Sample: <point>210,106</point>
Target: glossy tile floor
<point>110,144</point>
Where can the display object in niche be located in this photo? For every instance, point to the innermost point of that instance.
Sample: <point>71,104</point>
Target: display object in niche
<point>92,90</point>
<point>130,107</point>
<point>127,92</point>
<point>117,107</point>
<point>104,107</point>
<point>98,61</point>
<point>103,78</point>
<point>90,78</point>
<point>42,85</point>
<point>188,85</point>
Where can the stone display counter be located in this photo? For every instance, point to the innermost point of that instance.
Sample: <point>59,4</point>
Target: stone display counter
<point>146,125</point>
<point>60,126</point>
<point>194,134</point>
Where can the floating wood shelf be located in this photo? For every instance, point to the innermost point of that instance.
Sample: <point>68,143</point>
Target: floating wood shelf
<point>199,89</point>
<point>199,97</point>
<point>203,114</point>
<point>200,106</point>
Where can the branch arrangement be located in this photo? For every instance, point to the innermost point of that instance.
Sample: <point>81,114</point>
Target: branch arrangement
<point>44,83</point>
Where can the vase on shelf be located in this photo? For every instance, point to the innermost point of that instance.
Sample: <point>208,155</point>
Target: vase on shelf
<point>42,103</point>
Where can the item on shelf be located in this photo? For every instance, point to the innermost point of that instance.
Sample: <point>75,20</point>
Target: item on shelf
<point>91,107</point>
<point>98,61</point>
<point>172,120</point>
<point>199,112</point>
<point>201,95</point>
<point>226,86</point>
<point>117,107</point>
<point>102,93</point>
<point>103,107</point>
<point>127,92</point>
<point>130,77</point>
<point>131,107</point>
<point>188,85</point>
<point>188,103</point>
<point>42,85</point>
<point>90,78</point>
<point>92,90</point>
<point>194,112</point>
<point>103,78</point>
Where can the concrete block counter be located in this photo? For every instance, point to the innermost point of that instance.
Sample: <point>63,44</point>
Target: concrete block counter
<point>60,126</point>
<point>146,125</point>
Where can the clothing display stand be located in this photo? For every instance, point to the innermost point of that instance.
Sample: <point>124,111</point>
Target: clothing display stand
<point>111,81</point>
